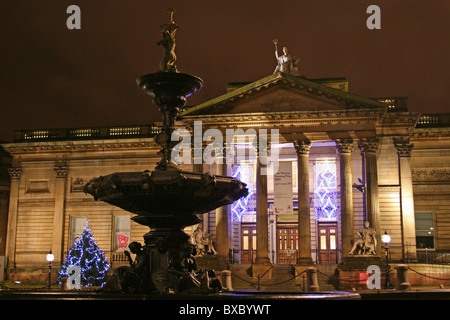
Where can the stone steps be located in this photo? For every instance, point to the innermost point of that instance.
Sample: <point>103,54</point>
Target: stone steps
<point>282,279</point>
<point>323,275</point>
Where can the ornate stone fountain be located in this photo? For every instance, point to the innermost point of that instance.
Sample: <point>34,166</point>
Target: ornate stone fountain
<point>166,199</point>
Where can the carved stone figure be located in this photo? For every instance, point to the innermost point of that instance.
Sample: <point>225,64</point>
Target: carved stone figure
<point>133,278</point>
<point>365,242</point>
<point>286,63</point>
<point>182,269</point>
<point>168,31</point>
<point>184,277</point>
<point>203,242</point>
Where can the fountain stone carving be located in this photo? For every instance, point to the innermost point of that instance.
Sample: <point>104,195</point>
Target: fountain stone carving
<point>167,199</point>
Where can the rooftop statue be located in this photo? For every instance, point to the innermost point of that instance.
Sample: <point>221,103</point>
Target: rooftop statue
<point>286,63</point>
<point>168,31</point>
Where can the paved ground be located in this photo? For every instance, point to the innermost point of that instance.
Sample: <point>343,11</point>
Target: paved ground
<point>42,293</point>
<point>269,305</point>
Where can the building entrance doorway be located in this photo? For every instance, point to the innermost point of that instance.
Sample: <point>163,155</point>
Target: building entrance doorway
<point>327,243</point>
<point>287,243</point>
<point>248,253</point>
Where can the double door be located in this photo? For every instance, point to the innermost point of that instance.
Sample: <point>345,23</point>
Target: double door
<point>287,243</point>
<point>327,243</point>
<point>287,246</point>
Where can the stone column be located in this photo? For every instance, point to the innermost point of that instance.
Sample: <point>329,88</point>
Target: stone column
<point>197,167</point>
<point>404,149</point>
<point>222,243</point>
<point>262,212</point>
<point>345,149</point>
<point>58,216</point>
<point>16,174</point>
<point>197,159</point>
<point>370,147</point>
<point>4,206</point>
<point>304,225</point>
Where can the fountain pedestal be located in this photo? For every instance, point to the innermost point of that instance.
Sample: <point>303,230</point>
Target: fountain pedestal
<point>166,199</point>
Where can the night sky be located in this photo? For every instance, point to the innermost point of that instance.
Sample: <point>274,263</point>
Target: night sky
<point>53,77</point>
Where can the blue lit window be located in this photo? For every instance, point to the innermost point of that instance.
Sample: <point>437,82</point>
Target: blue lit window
<point>325,195</point>
<point>243,210</point>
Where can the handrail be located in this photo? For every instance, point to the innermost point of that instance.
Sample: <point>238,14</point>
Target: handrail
<point>111,132</point>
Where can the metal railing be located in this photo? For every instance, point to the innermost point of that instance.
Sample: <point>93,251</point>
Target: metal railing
<point>432,257</point>
<point>433,120</point>
<point>113,132</point>
<point>294,274</point>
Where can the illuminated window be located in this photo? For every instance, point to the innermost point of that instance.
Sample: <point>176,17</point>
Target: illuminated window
<point>424,230</point>
<point>78,224</point>
<point>325,195</point>
<point>243,210</point>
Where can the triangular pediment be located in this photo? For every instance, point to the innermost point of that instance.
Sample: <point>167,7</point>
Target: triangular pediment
<point>282,93</point>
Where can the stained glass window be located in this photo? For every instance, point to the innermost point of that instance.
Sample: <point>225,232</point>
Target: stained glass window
<point>325,186</point>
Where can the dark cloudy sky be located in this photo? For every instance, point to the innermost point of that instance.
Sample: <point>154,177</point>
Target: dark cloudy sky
<point>53,77</point>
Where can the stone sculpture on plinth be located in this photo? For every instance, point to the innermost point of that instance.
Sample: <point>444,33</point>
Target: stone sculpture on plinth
<point>359,259</point>
<point>365,241</point>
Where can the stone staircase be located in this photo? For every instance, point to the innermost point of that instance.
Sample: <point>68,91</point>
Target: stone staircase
<point>282,279</point>
<point>324,271</point>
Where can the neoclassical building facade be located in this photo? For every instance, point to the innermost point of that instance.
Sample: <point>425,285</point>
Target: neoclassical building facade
<point>343,160</point>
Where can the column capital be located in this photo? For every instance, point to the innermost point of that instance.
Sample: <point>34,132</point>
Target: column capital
<point>344,146</point>
<point>370,145</point>
<point>403,146</point>
<point>302,146</point>
<point>15,172</point>
<point>61,172</point>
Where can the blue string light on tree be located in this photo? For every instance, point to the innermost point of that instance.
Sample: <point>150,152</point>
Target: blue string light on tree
<point>89,258</point>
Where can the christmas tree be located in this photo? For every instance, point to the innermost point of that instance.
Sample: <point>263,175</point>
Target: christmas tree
<point>89,258</point>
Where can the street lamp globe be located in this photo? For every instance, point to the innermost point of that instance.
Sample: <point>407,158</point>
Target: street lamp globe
<point>50,257</point>
<point>386,238</point>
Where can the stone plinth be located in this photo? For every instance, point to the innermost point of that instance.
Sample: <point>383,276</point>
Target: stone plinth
<point>352,269</point>
<point>212,262</point>
<point>360,262</point>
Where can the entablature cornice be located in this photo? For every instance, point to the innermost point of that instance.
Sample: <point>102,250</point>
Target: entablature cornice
<point>285,119</point>
<point>79,146</point>
<point>398,123</point>
<point>425,134</point>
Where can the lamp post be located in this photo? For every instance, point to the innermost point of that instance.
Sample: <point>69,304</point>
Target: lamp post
<point>386,239</point>
<point>50,257</point>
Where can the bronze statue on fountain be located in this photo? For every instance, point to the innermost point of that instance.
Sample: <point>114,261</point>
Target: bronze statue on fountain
<point>166,199</point>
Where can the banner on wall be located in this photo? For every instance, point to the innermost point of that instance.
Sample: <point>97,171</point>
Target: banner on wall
<point>282,189</point>
<point>123,241</point>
